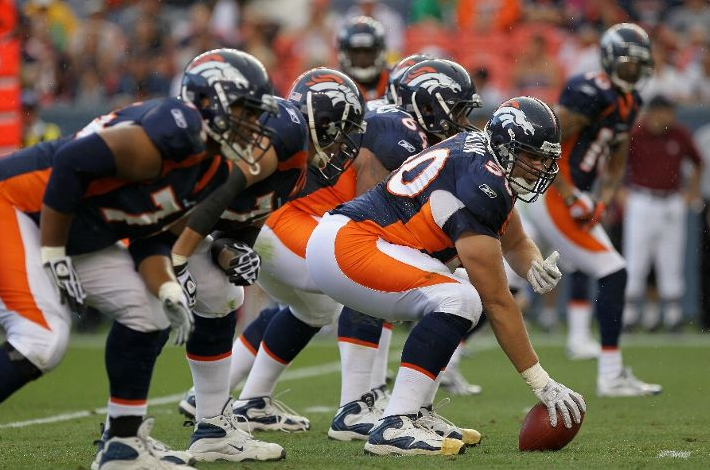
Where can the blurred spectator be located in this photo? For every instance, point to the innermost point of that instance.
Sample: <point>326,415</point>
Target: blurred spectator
<point>90,92</point>
<point>683,18</point>
<point>34,129</point>
<point>225,20</point>
<point>702,141</point>
<point>488,15</point>
<point>699,78</point>
<point>581,55</point>
<point>140,80</point>
<point>392,21</point>
<point>98,44</point>
<point>256,34</point>
<point>536,72</point>
<point>490,94</point>
<point>544,11</point>
<point>667,79</point>
<point>314,44</point>
<point>56,18</point>
<point>648,13</point>
<point>655,216</point>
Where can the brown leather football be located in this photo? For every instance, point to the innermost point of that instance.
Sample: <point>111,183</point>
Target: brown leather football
<point>537,433</point>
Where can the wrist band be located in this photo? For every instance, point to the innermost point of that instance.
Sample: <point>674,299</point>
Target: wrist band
<point>536,376</point>
<point>178,259</point>
<point>48,253</point>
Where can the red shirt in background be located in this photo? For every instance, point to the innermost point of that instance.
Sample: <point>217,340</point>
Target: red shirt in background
<point>655,159</point>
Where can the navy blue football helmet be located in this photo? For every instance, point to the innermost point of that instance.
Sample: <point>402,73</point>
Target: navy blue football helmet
<point>626,55</point>
<point>396,73</point>
<point>361,49</point>
<point>334,108</point>
<point>526,124</point>
<point>218,81</point>
<point>440,94</point>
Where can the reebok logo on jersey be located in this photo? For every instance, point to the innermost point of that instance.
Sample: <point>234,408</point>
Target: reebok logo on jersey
<point>488,191</point>
<point>179,118</point>
<point>409,147</point>
<point>294,116</point>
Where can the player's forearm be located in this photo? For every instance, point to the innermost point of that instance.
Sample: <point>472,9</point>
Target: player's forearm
<point>186,244</point>
<point>54,227</point>
<point>521,255</point>
<point>509,328</point>
<point>156,271</point>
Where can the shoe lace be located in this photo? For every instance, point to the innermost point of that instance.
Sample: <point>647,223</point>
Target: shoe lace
<point>431,418</point>
<point>282,407</point>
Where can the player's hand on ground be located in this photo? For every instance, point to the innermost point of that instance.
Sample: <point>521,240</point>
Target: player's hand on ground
<point>62,273</point>
<point>556,397</point>
<point>244,268</point>
<point>176,308</point>
<point>544,275</point>
<point>187,282</point>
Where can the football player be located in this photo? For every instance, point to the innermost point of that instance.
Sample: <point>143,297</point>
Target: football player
<point>65,204</point>
<point>436,97</point>
<point>317,130</point>
<point>597,111</point>
<point>451,204</point>
<point>362,55</point>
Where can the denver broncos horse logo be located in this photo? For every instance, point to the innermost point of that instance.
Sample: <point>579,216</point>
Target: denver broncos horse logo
<point>214,70</point>
<point>334,88</point>
<point>514,116</point>
<point>429,79</point>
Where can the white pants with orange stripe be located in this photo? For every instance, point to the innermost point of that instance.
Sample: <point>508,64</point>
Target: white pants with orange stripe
<point>35,321</point>
<point>285,277</point>
<point>384,280</point>
<point>588,251</point>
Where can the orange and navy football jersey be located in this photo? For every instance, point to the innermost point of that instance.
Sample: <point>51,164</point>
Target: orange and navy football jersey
<point>290,142</point>
<point>612,115</point>
<point>376,89</point>
<point>113,209</point>
<point>392,135</point>
<point>453,187</point>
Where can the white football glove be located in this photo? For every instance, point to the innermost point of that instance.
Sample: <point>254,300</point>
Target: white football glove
<point>61,271</point>
<point>557,397</point>
<point>244,268</point>
<point>187,282</point>
<point>176,308</point>
<point>544,275</point>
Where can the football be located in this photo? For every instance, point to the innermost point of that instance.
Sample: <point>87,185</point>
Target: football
<point>536,432</point>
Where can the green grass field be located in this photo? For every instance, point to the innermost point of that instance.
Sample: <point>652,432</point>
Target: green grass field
<point>668,431</point>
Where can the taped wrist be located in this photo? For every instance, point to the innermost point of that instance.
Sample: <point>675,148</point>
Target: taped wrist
<point>76,164</point>
<point>207,213</point>
<point>536,376</point>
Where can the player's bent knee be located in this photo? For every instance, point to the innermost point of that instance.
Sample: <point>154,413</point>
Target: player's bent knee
<point>47,353</point>
<point>463,300</point>
<point>316,319</point>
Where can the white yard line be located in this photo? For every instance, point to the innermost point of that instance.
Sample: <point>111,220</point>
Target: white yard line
<point>674,454</point>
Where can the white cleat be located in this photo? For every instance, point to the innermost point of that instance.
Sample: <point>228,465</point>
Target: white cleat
<point>187,406</point>
<point>583,350</point>
<point>382,397</point>
<point>430,419</point>
<point>403,435</point>
<point>268,414</point>
<point>626,385</point>
<point>355,420</point>
<point>135,453</point>
<point>456,384</point>
<point>219,438</point>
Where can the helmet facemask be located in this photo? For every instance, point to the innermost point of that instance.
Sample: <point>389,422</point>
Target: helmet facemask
<point>350,62</point>
<point>629,71</point>
<point>509,159</point>
<point>335,148</point>
<point>441,118</point>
